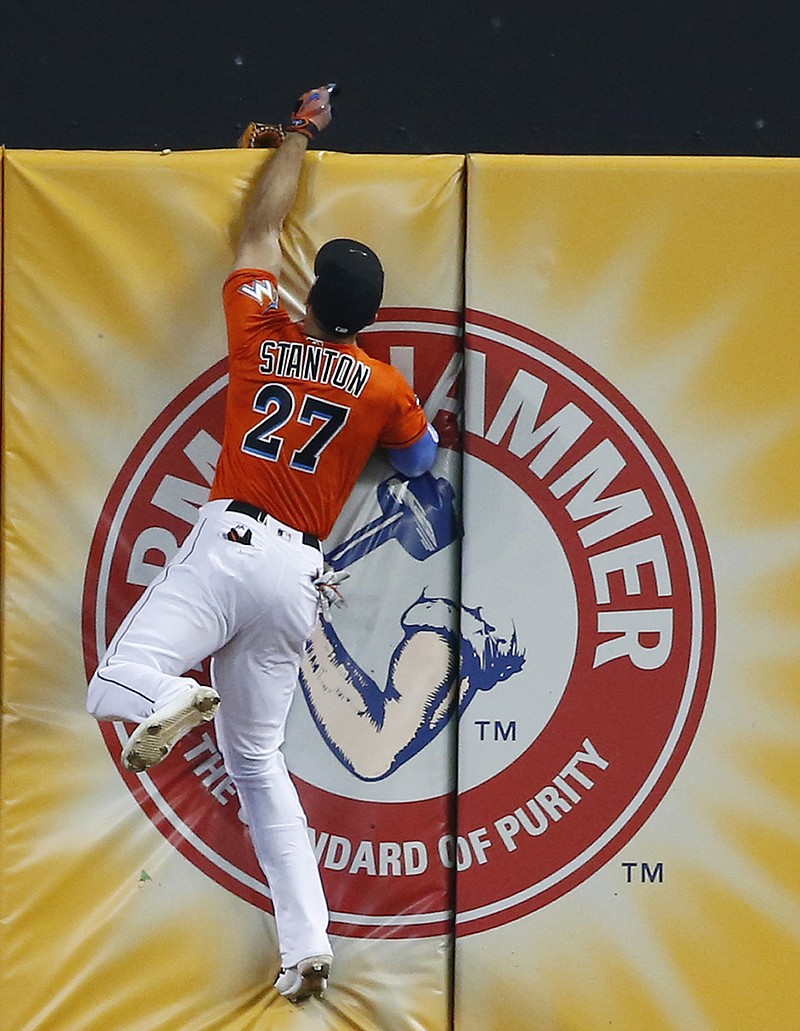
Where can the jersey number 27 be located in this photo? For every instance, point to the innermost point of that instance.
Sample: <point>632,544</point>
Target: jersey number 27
<point>278,404</point>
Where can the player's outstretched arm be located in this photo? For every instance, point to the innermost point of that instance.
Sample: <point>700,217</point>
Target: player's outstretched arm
<point>276,187</point>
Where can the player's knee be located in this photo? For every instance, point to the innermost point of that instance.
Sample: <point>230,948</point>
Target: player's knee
<point>94,696</point>
<point>97,697</point>
<point>94,699</point>
<point>263,767</point>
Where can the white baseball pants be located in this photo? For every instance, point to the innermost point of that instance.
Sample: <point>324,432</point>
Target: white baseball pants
<point>252,607</point>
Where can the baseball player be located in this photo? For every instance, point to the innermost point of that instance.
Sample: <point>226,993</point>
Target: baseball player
<point>306,407</point>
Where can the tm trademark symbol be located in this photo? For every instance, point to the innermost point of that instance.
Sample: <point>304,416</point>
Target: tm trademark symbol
<point>648,873</point>
<point>499,731</point>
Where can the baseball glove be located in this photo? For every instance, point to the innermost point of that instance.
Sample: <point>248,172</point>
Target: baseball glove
<point>262,134</point>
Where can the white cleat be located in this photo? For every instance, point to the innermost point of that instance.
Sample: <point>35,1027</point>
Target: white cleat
<point>309,977</point>
<point>153,740</point>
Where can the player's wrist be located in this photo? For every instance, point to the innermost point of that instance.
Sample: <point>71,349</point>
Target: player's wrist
<point>304,128</point>
<point>295,139</point>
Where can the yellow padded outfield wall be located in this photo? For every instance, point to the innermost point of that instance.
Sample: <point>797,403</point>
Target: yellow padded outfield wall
<point>633,377</point>
<point>610,838</point>
<point>135,904</point>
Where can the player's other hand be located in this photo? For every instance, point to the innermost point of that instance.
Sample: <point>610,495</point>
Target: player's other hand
<point>312,112</point>
<point>327,585</point>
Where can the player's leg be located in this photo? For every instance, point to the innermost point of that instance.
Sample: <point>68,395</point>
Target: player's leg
<point>257,673</point>
<point>185,614</point>
<point>279,832</point>
<point>166,633</point>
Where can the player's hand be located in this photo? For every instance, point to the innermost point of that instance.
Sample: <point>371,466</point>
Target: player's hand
<point>312,112</point>
<point>327,585</point>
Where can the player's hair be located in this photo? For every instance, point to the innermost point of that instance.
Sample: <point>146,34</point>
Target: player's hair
<point>347,292</point>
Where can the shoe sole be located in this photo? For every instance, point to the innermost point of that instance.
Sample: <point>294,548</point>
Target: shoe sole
<point>153,740</point>
<point>314,979</point>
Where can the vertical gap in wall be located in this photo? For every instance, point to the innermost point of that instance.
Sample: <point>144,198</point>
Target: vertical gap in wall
<point>459,579</point>
<point>2,441</point>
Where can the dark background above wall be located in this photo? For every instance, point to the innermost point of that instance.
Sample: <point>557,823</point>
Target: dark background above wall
<point>545,76</point>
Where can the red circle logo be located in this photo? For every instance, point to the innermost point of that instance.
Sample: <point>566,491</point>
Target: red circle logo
<point>552,578</point>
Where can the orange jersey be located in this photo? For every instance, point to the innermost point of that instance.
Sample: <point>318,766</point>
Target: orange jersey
<point>302,415</point>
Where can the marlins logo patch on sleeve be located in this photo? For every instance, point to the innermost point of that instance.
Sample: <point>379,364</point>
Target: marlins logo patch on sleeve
<point>262,291</point>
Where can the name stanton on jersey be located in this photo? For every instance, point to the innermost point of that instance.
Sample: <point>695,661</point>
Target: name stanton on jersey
<point>314,362</point>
